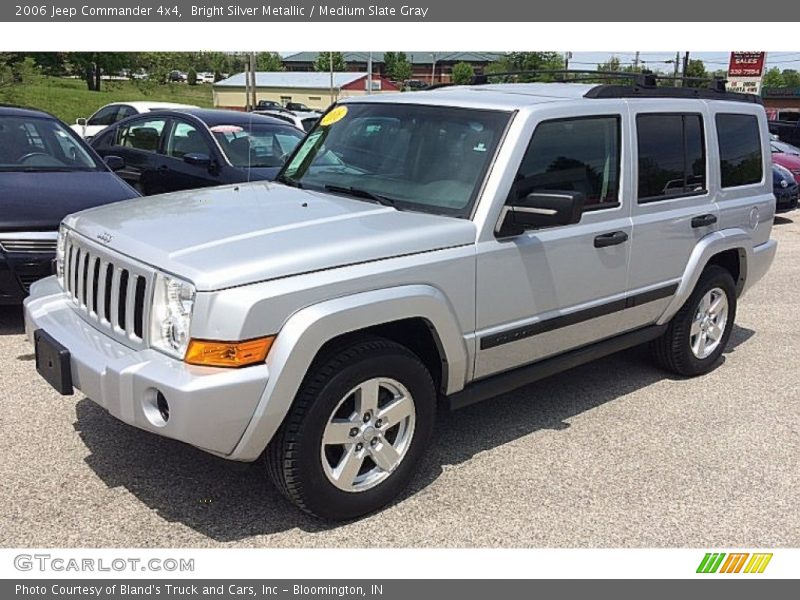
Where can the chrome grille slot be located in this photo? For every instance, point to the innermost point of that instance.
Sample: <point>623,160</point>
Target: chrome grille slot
<point>29,243</point>
<point>107,289</point>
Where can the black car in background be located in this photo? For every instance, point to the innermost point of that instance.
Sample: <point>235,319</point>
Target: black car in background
<point>785,189</point>
<point>46,173</point>
<point>171,150</point>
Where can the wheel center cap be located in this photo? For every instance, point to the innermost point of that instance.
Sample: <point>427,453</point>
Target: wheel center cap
<point>368,434</point>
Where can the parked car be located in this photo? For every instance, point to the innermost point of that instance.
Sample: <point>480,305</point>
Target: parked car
<point>46,172</point>
<point>449,245</point>
<point>302,120</point>
<point>269,105</point>
<point>785,188</point>
<point>191,148</point>
<point>111,113</point>
<point>783,147</point>
<point>299,107</point>
<point>788,161</point>
<point>786,126</point>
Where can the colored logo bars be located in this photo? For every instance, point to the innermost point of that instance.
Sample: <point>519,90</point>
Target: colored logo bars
<point>716,562</point>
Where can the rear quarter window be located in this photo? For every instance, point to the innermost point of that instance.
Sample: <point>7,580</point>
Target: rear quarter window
<point>739,150</point>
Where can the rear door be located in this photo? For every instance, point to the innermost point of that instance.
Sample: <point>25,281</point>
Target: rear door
<point>673,204</point>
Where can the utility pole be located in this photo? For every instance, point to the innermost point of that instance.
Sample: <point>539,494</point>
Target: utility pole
<point>685,63</point>
<point>247,106</point>
<point>369,74</point>
<point>433,71</point>
<point>567,57</point>
<point>636,61</point>
<point>330,57</point>
<point>254,86</point>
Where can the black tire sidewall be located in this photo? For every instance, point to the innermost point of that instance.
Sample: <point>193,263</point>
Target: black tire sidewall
<point>714,277</point>
<point>320,496</point>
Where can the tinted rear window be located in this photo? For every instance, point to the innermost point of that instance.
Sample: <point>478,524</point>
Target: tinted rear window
<point>739,149</point>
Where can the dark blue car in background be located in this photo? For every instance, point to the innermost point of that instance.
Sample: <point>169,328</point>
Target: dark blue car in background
<point>172,150</point>
<point>46,173</point>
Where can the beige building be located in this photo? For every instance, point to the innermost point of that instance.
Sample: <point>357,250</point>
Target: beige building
<point>311,89</point>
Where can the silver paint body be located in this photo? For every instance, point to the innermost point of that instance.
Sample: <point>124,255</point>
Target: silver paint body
<point>267,259</point>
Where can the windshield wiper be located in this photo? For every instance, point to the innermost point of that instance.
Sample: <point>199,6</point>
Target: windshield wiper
<point>362,193</point>
<point>288,181</point>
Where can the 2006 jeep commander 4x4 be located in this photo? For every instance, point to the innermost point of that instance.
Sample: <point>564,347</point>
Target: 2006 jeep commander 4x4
<point>444,245</point>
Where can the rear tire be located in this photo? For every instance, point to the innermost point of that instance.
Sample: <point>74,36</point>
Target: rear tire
<point>697,335</point>
<point>358,427</point>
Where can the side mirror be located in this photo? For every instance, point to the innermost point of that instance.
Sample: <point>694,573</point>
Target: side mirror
<point>541,209</point>
<point>197,159</point>
<point>115,163</point>
<point>80,121</point>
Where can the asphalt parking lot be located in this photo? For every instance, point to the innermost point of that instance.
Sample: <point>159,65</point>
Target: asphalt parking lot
<point>614,453</point>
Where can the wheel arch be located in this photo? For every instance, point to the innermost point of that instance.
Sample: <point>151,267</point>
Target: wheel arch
<point>730,249</point>
<point>401,314</point>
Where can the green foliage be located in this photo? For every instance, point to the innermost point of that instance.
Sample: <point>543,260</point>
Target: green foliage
<point>462,73</point>
<point>323,62</point>
<point>528,61</point>
<point>15,75</point>
<point>191,77</point>
<point>93,65</point>
<point>269,61</point>
<point>69,99</point>
<point>791,78</point>
<point>774,78</point>
<point>396,66</point>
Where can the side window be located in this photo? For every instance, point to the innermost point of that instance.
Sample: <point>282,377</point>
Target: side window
<point>141,135</point>
<point>672,158</point>
<point>124,112</point>
<point>577,155</point>
<point>186,139</point>
<point>104,116</point>
<point>739,149</point>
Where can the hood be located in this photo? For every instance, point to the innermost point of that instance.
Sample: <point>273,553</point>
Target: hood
<point>233,235</point>
<point>39,201</point>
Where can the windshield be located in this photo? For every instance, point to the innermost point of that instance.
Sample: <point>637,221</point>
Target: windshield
<point>425,158</point>
<point>41,144</point>
<point>257,144</point>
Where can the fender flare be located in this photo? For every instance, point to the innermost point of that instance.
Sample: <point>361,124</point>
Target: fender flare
<point>706,248</point>
<point>305,332</point>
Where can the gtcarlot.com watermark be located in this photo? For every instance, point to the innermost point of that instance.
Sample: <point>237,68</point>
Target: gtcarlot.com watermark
<point>48,563</point>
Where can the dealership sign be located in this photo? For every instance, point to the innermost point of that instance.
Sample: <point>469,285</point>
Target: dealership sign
<point>745,72</point>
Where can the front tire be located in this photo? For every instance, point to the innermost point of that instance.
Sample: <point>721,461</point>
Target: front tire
<point>357,429</point>
<point>699,332</point>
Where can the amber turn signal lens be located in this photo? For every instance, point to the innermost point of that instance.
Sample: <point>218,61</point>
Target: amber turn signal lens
<point>228,354</point>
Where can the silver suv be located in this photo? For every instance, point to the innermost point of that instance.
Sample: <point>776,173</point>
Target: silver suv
<point>448,245</point>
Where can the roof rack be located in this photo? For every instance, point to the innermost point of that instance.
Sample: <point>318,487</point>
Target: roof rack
<point>644,84</point>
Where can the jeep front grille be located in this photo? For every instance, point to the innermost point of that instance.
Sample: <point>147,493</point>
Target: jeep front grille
<point>107,289</point>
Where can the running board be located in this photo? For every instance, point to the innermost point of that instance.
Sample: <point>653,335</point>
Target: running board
<point>511,380</point>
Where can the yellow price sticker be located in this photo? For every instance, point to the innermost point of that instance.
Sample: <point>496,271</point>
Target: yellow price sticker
<point>336,115</point>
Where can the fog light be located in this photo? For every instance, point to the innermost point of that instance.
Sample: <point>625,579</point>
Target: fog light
<point>163,406</point>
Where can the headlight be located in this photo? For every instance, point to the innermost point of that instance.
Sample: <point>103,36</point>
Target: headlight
<point>61,244</point>
<point>171,315</point>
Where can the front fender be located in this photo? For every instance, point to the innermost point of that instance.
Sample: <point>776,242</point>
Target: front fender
<point>302,336</point>
<point>713,243</point>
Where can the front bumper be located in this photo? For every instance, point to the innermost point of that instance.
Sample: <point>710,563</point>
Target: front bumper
<point>786,200</point>
<point>209,408</point>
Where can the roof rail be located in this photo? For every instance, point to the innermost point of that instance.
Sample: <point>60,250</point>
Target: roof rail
<point>644,84</point>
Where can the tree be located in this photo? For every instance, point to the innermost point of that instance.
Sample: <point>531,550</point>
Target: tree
<point>773,78</point>
<point>269,61</point>
<point>528,61</point>
<point>191,76</point>
<point>396,66</point>
<point>323,62</point>
<point>462,73</point>
<point>696,68</point>
<point>791,78</point>
<point>92,65</point>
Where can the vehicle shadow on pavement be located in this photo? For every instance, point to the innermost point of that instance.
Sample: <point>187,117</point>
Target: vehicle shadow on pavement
<point>11,322</point>
<point>782,220</point>
<point>185,485</point>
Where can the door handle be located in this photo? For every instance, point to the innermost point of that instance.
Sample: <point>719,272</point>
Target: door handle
<point>610,239</point>
<point>704,221</point>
